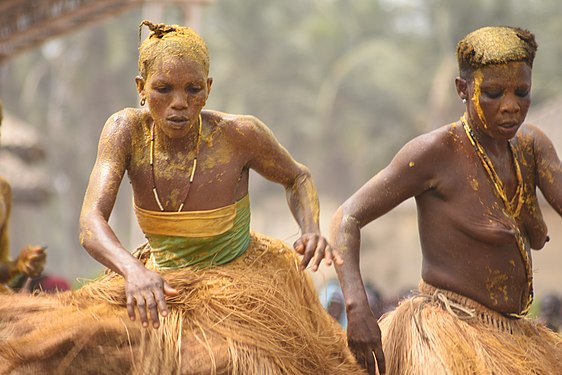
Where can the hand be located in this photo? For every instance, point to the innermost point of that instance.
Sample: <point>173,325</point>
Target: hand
<point>31,260</point>
<point>364,340</point>
<point>147,290</point>
<point>313,246</point>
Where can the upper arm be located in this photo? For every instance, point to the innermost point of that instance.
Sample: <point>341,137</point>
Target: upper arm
<point>111,163</point>
<point>267,156</point>
<point>549,169</point>
<point>410,173</point>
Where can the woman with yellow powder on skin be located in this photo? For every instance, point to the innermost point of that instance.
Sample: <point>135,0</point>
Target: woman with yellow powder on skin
<point>31,259</point>
<point>211,296</point>
<point>475,184</point>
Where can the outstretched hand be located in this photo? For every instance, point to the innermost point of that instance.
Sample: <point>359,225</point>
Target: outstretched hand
<point>147,291</point>
<point>31,260</point>
<point>314,247</point>
<point>364,340</point>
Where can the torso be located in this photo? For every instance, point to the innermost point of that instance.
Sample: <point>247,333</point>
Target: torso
<point>220,159</point>
<point>468,241</point>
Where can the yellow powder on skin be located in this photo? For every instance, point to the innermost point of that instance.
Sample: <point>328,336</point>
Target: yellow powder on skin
<point>478,77</point>
<point>496,45</point>
<point>496,286</point>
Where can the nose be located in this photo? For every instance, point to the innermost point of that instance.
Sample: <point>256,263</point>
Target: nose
<point>179,100</point>
<point>510,104</point>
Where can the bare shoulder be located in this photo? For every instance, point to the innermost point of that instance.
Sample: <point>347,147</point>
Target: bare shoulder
<point>434,144</point>
<point>531,135</point>
<point>235,126</point>
<point>128,120</point>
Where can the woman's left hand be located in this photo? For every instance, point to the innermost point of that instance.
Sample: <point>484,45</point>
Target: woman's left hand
<point>314,247</point>
<point>31,260</point>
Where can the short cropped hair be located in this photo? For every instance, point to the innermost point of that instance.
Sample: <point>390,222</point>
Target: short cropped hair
<point>495,45</point>
<point>171,40</point>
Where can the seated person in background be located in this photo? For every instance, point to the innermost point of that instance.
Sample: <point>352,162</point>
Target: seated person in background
<point>31,259</point>
<point>331,297</point>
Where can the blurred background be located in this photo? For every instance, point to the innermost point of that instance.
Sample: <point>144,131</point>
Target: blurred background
<point>342,83</point>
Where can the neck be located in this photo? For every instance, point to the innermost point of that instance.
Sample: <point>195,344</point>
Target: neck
<point>495,148</point>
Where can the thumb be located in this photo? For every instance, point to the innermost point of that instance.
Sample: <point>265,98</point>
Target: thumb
<point>169,291</point>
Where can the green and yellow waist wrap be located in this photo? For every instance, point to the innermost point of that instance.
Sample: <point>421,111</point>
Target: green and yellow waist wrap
<point>197,238</point>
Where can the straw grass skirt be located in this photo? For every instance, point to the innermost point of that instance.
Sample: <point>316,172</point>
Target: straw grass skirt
<point>256,315</point>
<point>440,332</point>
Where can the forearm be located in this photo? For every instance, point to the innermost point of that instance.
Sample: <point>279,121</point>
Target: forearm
<point>345,237</point>
<point>99,240</point>
<point>302,198</point>
<point>7,271</point>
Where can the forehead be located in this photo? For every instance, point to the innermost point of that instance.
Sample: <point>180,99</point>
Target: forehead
<point>516,72</point>
<point>177,67</point>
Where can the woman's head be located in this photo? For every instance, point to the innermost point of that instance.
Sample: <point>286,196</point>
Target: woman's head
<point>495,45</point>
<point>495,65</point>
<point>174,80</point>
<point>170,41</point>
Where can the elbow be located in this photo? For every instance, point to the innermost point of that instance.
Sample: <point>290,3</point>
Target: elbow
<point>343,221</point>
<point>86,233</point>
<point>301,178</point>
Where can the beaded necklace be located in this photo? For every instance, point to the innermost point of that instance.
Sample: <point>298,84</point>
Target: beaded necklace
<point>511,207</point>
<point>193,168</point>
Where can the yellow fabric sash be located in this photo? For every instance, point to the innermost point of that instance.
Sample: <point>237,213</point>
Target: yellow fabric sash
<point>202,238</point>
<point>187,224</point>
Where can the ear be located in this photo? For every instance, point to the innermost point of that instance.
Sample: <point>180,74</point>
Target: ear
<point>462,87</point>
<point>140,85</point>
<point>209,84</point>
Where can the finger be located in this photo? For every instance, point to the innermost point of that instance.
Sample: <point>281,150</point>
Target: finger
<point>141,307</point>
<point>308,254</point>
<point>299,246</point>
<point>337,257</point>
<point>169,291</point>
<point>328,255</point>
<point>161,302</point>
<point>152,307</point>
<point>381,363</point>
<point>358,354</point>
<point>370,361</point>
<point>318,254</point>
<point>131,307</point>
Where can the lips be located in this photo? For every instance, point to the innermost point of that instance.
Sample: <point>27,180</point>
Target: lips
<point>509,128</point>
<point>177,121</point>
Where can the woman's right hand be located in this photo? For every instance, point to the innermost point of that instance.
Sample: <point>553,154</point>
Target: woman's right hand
<point>147,290</point>
<point>364,340</point>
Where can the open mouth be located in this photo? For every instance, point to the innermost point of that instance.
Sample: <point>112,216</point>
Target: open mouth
<point>177,121</point>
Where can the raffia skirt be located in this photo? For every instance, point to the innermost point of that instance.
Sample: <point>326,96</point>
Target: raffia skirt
<point>256,315</point>
<point>438,332</point>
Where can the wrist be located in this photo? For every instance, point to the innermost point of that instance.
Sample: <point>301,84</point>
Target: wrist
<point>13,269</point>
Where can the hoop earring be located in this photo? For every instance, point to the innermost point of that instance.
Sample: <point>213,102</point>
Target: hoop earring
<point>142,101</point>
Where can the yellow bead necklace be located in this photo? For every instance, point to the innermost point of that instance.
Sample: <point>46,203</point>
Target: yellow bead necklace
<point>511,207</point>
<point>193,168</point>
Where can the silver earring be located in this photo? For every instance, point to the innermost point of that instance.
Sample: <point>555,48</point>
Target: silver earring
<point>464,101</point>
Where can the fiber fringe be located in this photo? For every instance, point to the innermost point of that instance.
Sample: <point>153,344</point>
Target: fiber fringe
<point>256,315</point>
<point>440,332</point>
